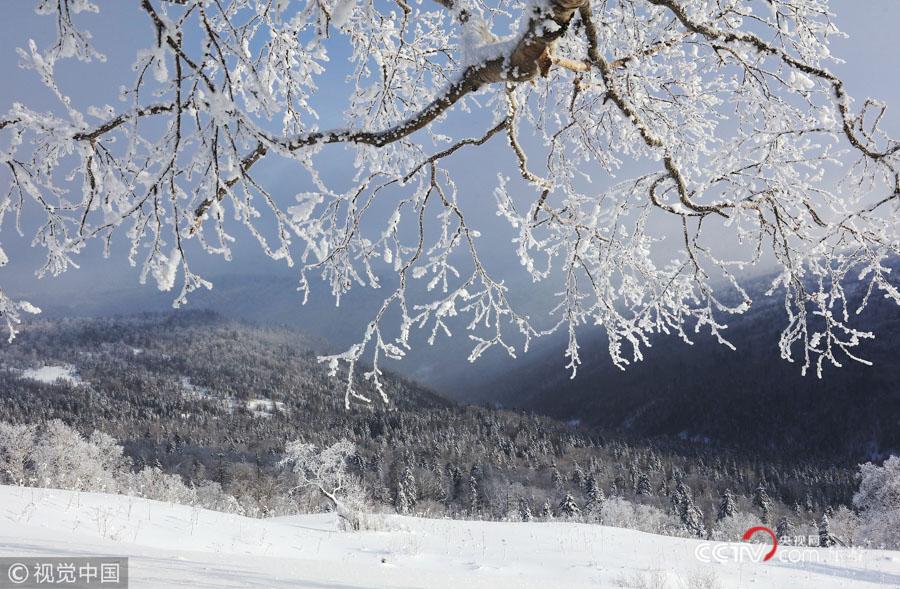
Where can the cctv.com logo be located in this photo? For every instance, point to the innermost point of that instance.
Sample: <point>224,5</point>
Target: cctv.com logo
<point>722,552</point>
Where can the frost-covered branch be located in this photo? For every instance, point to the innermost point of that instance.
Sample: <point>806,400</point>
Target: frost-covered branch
<point>656,150</point>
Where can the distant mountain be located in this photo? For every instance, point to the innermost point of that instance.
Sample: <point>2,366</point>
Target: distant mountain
<point>749,399</point>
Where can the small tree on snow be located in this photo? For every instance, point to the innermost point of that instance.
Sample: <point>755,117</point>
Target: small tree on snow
<point>326,471</point>
<point>568,507</point>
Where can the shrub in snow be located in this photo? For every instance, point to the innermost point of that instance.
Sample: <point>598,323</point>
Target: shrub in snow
<point>660,579</point>
<point>620,513</point>
<point>58,456</point>
<point>64,459</point>
<point>153,483</point>
<point>209,495</point>
<point>732,528</point>
<point>844,526</point>
<point>657,579</point>
<point>16,445</point>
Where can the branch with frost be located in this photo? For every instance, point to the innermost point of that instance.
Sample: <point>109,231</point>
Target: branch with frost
<point>740,131</point>
<point>11,312</point>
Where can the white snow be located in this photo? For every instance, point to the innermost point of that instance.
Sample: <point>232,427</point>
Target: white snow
<point>50,374</point>
<point>342,11</point>
<point>260,407</point>
<point>180,546</point>
<point>264,407</point>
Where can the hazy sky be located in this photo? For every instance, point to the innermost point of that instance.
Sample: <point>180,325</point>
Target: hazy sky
<point>872,68</point>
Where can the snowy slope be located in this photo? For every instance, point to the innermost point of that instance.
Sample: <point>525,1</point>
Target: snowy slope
<point>180,546</point>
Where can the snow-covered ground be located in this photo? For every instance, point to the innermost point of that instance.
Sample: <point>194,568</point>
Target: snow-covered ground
<point>260,407</point>
<point>180,546</point>
<point>50,374</point>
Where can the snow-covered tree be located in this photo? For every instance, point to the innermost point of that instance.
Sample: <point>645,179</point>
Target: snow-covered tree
<point>808,504</point>
<point>525,510</point>
<point>785,531</point>
<point>618,512</point>
<point>578,475</point>
<point>826,540</point>
<point>686,511</point>
<point>63,458</point>
<point>474,491</point>
<point>727,506</point>
<point>762,500</point>
<point>556,478</point>
<point>16,446</point>
<point>405,496</point>
<point>844,526</point>
<point>546,510</point>
<point>878,499</point>
<point>732,528</point>
<point>568,507</point>
<point>153,483</point>
<point>325,471</point>
<point>594,496</point>
<point>722,123</point>
<point>643,485</point>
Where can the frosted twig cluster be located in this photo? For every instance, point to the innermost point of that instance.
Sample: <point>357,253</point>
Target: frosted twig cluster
<point>735,134</point>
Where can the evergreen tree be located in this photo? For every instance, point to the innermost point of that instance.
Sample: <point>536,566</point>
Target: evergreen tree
<point>761,499</point>
<point>474,492</point>
<point>546,510</point>
<point>593,493</point>
<point>643,485</point>
<point>578,476</point>
<point>405,495</point>
<point>568,507</point>
<point>808,503</point>
<point>690,515</point>
<point>784,531</point>
<point>826,540</point>
<point>525,510</point>
<point>556,478</point>
<point>727,507</point>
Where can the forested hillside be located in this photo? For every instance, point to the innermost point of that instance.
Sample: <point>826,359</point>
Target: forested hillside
<point>213,399</point>
<point>748,399</point>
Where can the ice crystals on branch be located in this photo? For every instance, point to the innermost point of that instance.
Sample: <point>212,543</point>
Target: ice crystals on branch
<point>728,110</point>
